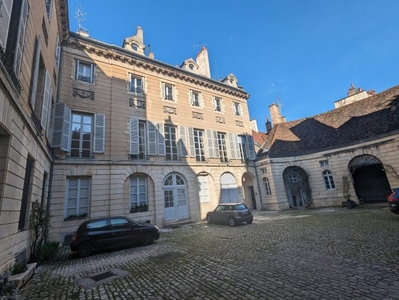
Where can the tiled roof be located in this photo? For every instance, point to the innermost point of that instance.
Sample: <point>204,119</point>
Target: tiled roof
<point>360,121</point>
<point>259,137</point>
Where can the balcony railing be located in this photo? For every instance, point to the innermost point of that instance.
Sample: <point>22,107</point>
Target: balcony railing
<point>8,67</point>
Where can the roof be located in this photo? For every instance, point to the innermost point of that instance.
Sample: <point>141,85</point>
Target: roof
<point>361,121</point>
<point>259,137</point>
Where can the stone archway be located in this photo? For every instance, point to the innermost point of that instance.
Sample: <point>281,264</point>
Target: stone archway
<point>297,188</point>
<point>369,179</point>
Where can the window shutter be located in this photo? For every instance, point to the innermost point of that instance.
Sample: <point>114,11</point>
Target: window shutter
<point>163,91</point>
<point>232,146</point>
<point>5,13</point>
<point>211,151</point>
<point>251,148</point>
<point>46,100</point>
<point>57,52</point>
<point>99,133</point>
<point>161,139</point>
<point>237,146</point>
<point>182,141</point>
<point>36,63</point>
<point>91,73</point>
<point>49,112</point>
<point>152,139</point>
<point>192,143</point>
<point>21,38</point>
<point>61,131</point>
<point>134,136</point>
<point>190,100</point>
<point>216,143</point>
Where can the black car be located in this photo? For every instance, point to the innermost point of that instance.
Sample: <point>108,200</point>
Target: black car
<point>393,201</point>
<point>111,232</point>
<point>230,213</point>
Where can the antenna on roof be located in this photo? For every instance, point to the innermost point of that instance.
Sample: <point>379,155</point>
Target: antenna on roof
<point>79,15</point>
<point>279,103</point>
<point>199,46</point>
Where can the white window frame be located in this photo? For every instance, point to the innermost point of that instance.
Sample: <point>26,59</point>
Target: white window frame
<point>195,98</point>
<point>136,84</point>
<point>57,52</point>
<point>77,196</point>
<point>266,184</point>
<point>203,189</point>
<point>323,163</point>
<point>168,91</point>
<point>138,187</point>
<point>199,144</point>
<point>171,149</point>
<point>237,109</point>
<point>328,180</point>
<point>85,75</point>
<point>217,102</point>
<point>222,146</point>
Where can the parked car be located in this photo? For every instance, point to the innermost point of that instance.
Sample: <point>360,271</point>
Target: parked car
<point>393,201</point>
<point>230,213</point>
<point>111,232</point>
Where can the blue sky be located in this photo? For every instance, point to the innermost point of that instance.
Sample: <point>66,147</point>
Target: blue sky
<point>307,53</point>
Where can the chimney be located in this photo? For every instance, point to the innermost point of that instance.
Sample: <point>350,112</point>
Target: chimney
<point>275,114</point>
<point>268,125</point>
<point>202,61</point>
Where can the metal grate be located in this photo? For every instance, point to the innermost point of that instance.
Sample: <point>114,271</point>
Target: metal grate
<point>102,276</point>
<point>364,160</point>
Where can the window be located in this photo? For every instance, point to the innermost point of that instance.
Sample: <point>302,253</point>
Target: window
<point>217,101</point>
<point>222,147</point>
<point>263,170</point>
<point>78,133</point>
<point>329,180</point>
<point>246,147</point>
<point>138,191</point>
<point>57,52</point>
<point>191,66</point>
<point>323,163</point>
<point>167,91</point>
<point>266,183</point>
<point>48,8</point>
<point>141,139</point>
<point>84,71</point>
<point>134,46</point>
<point>199,145</point>
<point>146,138</point>
<point>136,84</point>
<point>237,108</point>
<point>77,196</point>
<point>293,178</point>
<point>170,142</point>
<point>195,99</point>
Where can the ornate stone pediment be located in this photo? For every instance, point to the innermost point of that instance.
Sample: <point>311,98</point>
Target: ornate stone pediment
<point>83,93</point>
<point>197,115</point>
<point>170,110</point>
<point>220,120</point>
<point>239,123</point>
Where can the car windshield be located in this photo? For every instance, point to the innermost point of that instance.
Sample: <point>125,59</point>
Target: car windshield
<point>241,207</point>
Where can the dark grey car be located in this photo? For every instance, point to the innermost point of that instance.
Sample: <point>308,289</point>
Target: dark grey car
<point>231,214</point>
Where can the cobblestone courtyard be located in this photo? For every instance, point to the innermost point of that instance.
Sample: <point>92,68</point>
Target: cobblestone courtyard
<point>333,253</point>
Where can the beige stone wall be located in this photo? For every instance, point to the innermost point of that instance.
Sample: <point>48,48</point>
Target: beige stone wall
<point>385,149</point>
<point>20,139</point>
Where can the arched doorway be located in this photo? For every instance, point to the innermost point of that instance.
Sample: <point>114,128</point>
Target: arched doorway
<point>249,192</point>
<point>175,197</point>
<point>369,179</point>
<point>228,187</point>
<point>297,187</point>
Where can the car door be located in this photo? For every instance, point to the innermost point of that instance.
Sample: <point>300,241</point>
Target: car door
<point>98,232</point>
<point>122,232</point>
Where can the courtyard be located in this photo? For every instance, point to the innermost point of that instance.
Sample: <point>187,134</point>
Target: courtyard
<point>327,253</point>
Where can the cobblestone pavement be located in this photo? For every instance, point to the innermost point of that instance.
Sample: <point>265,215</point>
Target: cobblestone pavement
<point>332,253</point>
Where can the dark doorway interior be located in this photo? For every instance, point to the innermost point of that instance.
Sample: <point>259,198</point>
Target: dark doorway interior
<point>371,183</point>
<point>251,192</point>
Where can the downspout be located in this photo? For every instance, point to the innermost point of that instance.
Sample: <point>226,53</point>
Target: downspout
<point>257,181</point>
<point>50,184</point>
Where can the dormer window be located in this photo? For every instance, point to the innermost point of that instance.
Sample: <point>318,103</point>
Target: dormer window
<point>231,80</point>
<point>134,47</point>
<point>191,66</point>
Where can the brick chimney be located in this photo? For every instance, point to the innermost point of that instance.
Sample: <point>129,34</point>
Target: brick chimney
<point>275,114</point>
<point>268,125</point>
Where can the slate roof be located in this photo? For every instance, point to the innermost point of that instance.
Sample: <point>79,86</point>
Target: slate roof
<point>361,121</point>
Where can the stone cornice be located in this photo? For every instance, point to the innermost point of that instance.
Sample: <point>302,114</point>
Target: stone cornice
<point>119,54</point>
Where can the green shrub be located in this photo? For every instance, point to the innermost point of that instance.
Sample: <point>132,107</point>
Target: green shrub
<point>18,267</point>
<point>7,290</point>
<point>47,251</point>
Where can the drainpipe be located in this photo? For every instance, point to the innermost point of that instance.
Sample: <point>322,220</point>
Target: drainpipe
<point>257,180</point>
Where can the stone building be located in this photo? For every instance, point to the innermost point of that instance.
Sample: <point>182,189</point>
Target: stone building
<point>137,137</point>
<point>30,35</point>
<point>348,152</point>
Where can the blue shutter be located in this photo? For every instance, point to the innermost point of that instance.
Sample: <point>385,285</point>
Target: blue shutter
<point>61,131</point>
<point>251,147</point>
<point>134,136</point>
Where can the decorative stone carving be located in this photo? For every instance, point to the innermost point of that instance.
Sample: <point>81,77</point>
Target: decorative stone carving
<point>220,120</point>
<point>197,115</point>
<point>136,103</point>
<point>170,110</point>
<point>83,93</point>
<point>239,123</point>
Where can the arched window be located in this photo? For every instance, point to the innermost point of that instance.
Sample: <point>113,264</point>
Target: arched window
<point>267,186</point>
<point>138,193</point>
<point>329,180</point>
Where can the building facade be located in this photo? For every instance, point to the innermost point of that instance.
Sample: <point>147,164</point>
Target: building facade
<point>31,32</point>
<point>350,152</point>
<point>137,137</point>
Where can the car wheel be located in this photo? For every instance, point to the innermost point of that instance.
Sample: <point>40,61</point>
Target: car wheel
<point>147,239</point>
<point>232,222</point>
<point>209,219</point>
<point>85,249</point>
<point>250,221</point>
